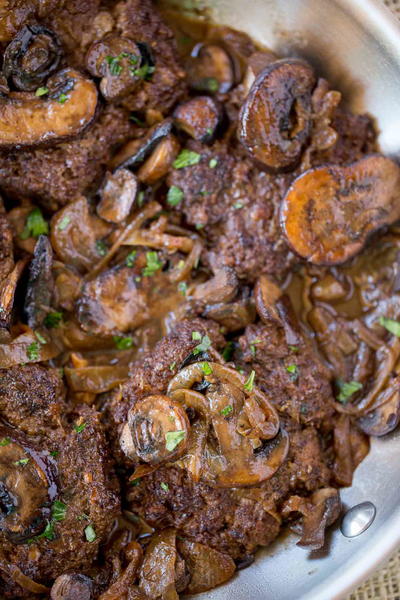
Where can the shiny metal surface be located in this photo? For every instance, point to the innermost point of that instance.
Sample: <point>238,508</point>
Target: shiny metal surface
<point>356,44</point>
<point>357,519</point>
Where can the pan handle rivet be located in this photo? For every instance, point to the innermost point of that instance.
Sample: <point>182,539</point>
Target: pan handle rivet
<point>358,519</point>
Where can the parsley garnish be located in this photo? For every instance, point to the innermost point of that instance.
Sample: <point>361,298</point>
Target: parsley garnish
<point>206,368</point>
<point>54,453</point>
<point>41,339</point>
<point>5,441</point>
<point>62,98</point>
<point>53,320</point>
<point>347,389</point>
<point>199,226</point>
<point>153,264</point>
<point>196,335</point>
<point>227,352</point>
<point>294,371</point>
<point>41,91</point>
<point>182,287</point>
<point>135,482</point>
<point>225,412</point>
<point>113,62</point>
<point>249,384</point>
<point>238,205</point>
<point>35,225</point>
<point>186,158</point>
<point>293,348</point>
<point>203,346</point>
<point>101,247</point>
<point>123,343</point>
<point>174,196</point>
<point>130,259</point>
<point>391,325</point>
<point>173,439</point>
<point>172,366</point>
<point>80,428</point>
<point>137,121</point>
<point>143,72</point>
<point>32,351</point>
<point>90,533</point>
<point>63,224</point>
<point>21,462</point>
<point>164,486</point>
<point>253,346</point>
<point>47,534</point>
<point>58,510</point>
<point>213,163</point>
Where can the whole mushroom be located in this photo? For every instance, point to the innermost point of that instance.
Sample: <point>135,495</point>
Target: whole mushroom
<point>72,586</point>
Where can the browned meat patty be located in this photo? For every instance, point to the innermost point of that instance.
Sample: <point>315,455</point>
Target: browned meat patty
<point>77,487</point>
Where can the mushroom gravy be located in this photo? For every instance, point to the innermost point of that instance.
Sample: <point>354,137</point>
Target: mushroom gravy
<point>199,301</point>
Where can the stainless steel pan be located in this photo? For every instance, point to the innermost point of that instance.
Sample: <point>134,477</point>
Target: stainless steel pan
<point>356,44</point>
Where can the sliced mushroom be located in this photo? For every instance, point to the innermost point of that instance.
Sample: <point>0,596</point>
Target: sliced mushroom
<point>275,119</point>
<point>95,379</point>
<point>256,63</point>
<point>271,305</point>
<point>222,287</point>
<point>40,283</point>
<point>157,430</point>
<point>31,57</point>
<point>136,151</point>
<point>117,61</point>
<point>27,487</point>
<point>26,347</point>
<point>160,161</point>
<point>329,212</point>
<point>72,586</point>
<point>234,315</point>
<point>207,567</point>
<point>318,513</point>
<point>385,418</point>
<point>210,69</point>
<point>199,117</point>
<point>157,575</point>
<point>8,286</point>
<point>112,303</point>
<point>117,196</point>
<point>63,113</point>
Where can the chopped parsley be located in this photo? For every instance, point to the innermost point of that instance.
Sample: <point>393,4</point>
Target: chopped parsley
<point>54,453</point>
<point>140,198</point>
<point>210,84</point>
<point>53,320</point>
<point>62,98</point>
<point>172,366</point>
<point>249,384</point>
<point>391,325</point>
<point>135,482</point>
<point>58,510</point>
<point>114,65</point>
<point>47,534</point>
<point>186,158</point>
<point>182,287</point>
<point>144,72</point>
<point>347,389</point>
<point>41,91</point>
<point>5,441</point>
<point>206,368</point>
<point>90,533</point>
<point>196,335</point>
<point>294,371</point>
<point>130,259</point>
<point>293,348</point>
<point>137,121</point>
<point>21,462</point>
<point>204,345</point>
<point>83,517</point>
<point>227,352</point>
<point>225,412</point>
<point>173,439</point>
<point>253,346</point>
<point>164,486</point>
<point>199,226</point>
<point>153,264</point>
<point>238,205</point>
<point>63,224</point>
<point>80,428</point>
<point>101,248</point>
<point>174,196</point>
<point>41,339</point>
<point>123,343</point>
<point>213,163</point>
<point>32,351</point>
<point>35,225</point>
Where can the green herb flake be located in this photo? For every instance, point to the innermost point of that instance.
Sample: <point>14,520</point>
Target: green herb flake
<point>41,91</point>
<point>32,351</point>
<point>35,225</point>
<point>144,72</point>
<point>53,320</point>
<point>135,482</point>
<point>211,84</point>
<point>21,462</point>
<point>249,384</point>
<point>90,533</point>
<point>173,439</point>
<point>225,412</point>
<point>113,65</point>
<point>196,335</point>
<point>41,338</point>
<point>172,366</point>
<point>227,352</point>
<point>391,325</point>
<point>83,517</point>
<point>80,428</point>
<point>199,226</point>
<point>347,389</point>
<point>5,441</point>
<point>213,163</point>
<point>54,453</point>
<point>58,510</point>
<point>153,264</point>
<point>206,368</point>
<point>164,486</point>
<point>186,158</point>
<point>123,343</point>
<point>253,346</point>
<point>303,409</point>
<point>130,259</point>
<point>47,534</point>
<point>174,196</point>
<point>140,198</point>
<point>204,345</point>
<point>137,121</point>
<point>294,371</point>
<point>101,248</point>
<point>63,224</point>
<point>293,348</point>
<point>238,205</point>
<point>62,98</point>
<point>182,287</point>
